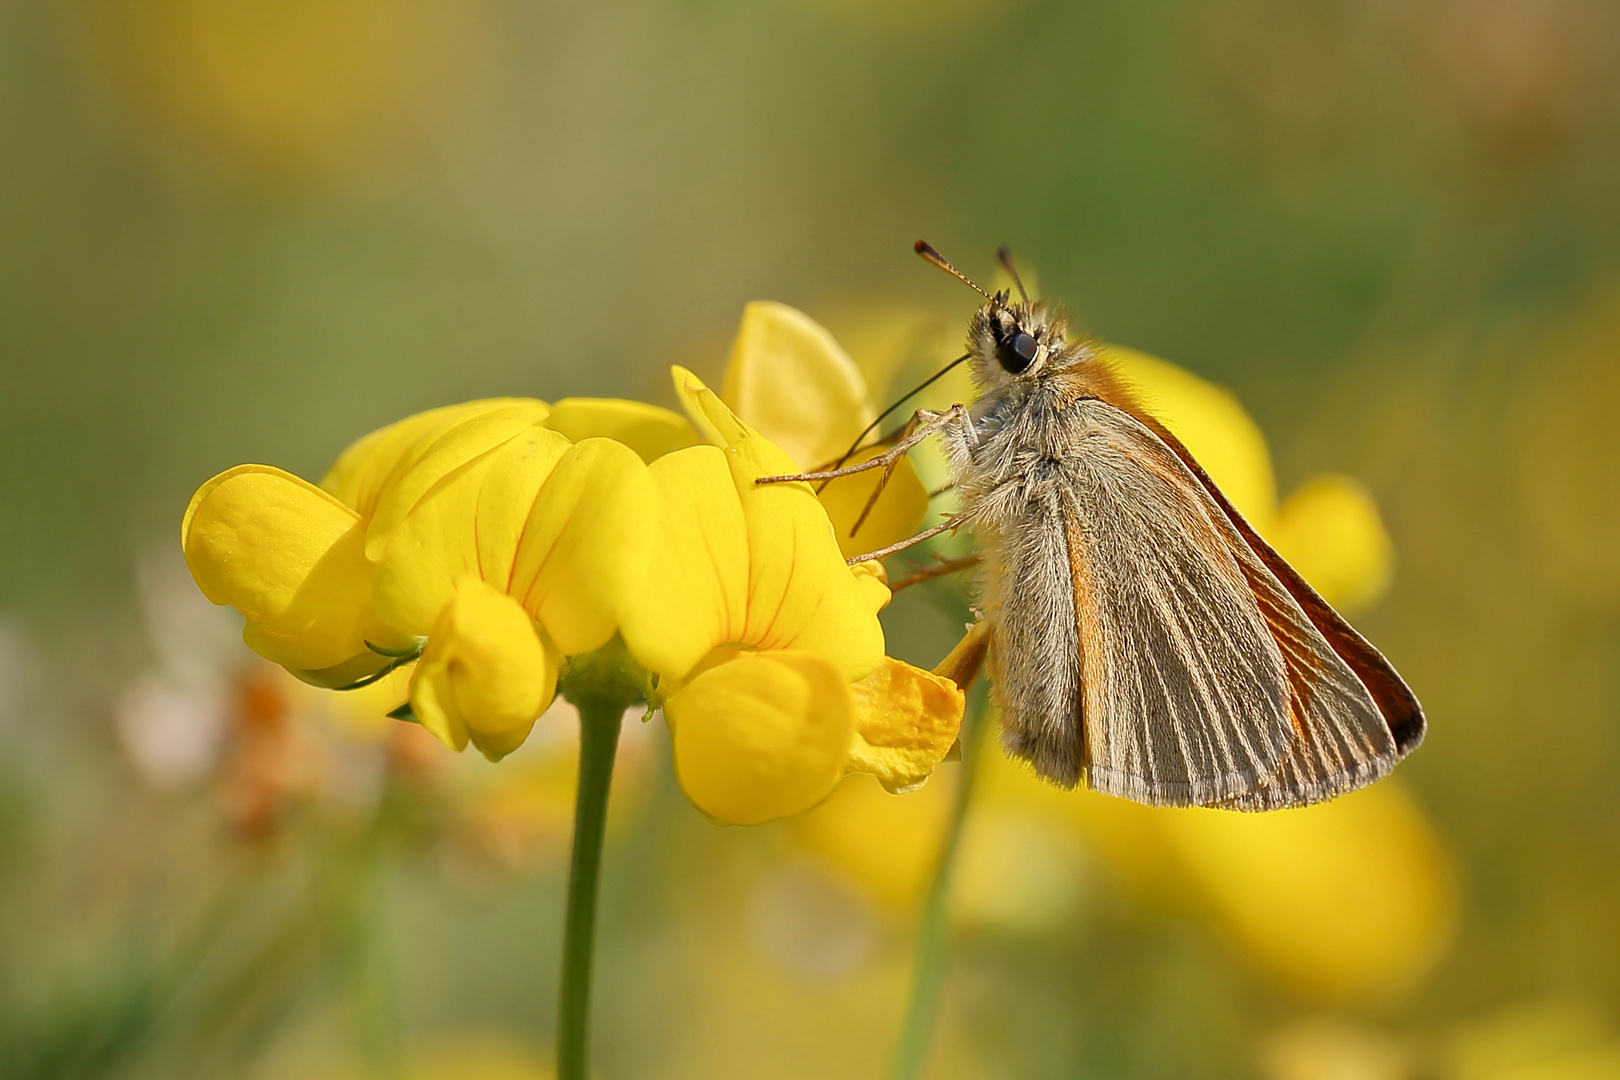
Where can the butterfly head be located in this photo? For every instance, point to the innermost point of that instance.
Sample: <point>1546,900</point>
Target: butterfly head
<point>1008,340</point>
<point>1011,340</point>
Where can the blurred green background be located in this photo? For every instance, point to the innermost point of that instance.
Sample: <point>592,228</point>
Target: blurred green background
<point>252,230</point>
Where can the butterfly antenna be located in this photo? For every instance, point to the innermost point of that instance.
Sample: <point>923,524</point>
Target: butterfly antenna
<point>908,395</point>
<point>1004,254</point>
<point>927,251</point>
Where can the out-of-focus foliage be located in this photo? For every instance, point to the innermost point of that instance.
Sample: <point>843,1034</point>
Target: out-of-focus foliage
<point>1378,242</point>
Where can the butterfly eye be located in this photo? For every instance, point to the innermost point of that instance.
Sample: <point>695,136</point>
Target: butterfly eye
<point>1016,353</point>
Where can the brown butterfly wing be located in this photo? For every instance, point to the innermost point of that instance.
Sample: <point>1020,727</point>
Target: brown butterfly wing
<point>1182,690</point>
<point>1302,771</point>
<point>1194,654</point>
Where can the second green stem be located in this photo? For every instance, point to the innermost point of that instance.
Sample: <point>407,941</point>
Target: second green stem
<point>599,724</point>
<point>928,972</point>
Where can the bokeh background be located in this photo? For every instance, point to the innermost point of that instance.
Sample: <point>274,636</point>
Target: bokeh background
<point>252,230</point>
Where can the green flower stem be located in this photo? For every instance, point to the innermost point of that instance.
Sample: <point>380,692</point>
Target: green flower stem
<point>929,964</point>
<point>599,721</point>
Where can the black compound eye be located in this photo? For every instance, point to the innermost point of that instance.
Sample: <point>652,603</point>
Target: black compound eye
<point>1016,353</point>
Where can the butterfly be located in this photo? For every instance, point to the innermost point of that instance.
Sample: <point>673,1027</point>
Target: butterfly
<point>1141,638</point>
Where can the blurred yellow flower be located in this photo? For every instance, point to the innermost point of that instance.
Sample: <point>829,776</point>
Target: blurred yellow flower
<point>887,845</point>
<point>1550,1040</point>
<point>1329,529</point>
<point>1330,1048</point>
<point>289,89</point>
<point>1351,900</point>
<point>1354,898</point>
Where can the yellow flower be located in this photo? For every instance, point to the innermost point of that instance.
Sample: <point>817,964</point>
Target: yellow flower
<point>372,463</point>
<point>340,584</point>
<point>556,525</point>
<point>767,646</point>
<point>501,537</point>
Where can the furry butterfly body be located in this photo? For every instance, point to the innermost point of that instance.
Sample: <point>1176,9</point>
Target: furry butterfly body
<point>1143,638</point>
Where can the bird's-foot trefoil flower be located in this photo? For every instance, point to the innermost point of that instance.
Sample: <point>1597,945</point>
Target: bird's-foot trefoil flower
<point>613,552</point>
<point>497,539</point>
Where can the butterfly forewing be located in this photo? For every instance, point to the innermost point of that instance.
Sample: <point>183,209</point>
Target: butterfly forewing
<point>1170,596</point>
<point>1184,690</point>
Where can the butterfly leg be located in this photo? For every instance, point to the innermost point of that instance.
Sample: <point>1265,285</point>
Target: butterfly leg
<point>956,417</point>
<point>939,568</point>
<point>947,525</point>
<point>883,481</point>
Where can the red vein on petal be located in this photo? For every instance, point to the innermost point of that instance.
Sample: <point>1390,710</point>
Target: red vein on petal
<point>787,584</point>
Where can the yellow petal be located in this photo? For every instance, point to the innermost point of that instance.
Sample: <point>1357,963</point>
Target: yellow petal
<point>1346,899</point>
<point>696,590</point>
<point>887,844</point>
<point>789,380</point>
<point>717,423</point>
<point>873,580</point>
<point>367,466</point>
<point>291,558</point>
<point>648,430</point>
<point>456,447</point>
<point>586,545</point>
<point>905,721</point>
<point>1330,531</point>
<point>470,522</point>
<point>801,594</point>
<point>761,737</point>
<point>1211,423</point>
<point>896,515</point>
<point>484,675</point>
